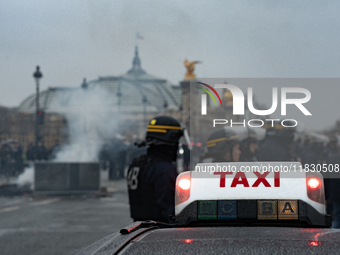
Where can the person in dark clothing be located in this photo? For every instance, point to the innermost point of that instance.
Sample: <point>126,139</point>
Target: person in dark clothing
<point>223,145</point>
<point>313,151</point>
<point>30,151</point>
<point>7,160</point>
<point>331,155</point>
<point>277,146</point>
<point>107,156</point>
<point>41,152</point>
<point>151,178</point>
<point>186,157</point>
<point>121,158</point>
<point>273,150</point>
<point>249,147</point>
<point>18,159</point>
<point>3,159</point>
<point>54,150</point>
<point>114,152</point>
<point>334,191</point>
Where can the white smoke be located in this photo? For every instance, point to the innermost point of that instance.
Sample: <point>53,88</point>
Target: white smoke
<point>91,117</point>
<point>26,178</point>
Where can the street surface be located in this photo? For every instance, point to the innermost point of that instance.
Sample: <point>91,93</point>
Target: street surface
<point>40,225</point>
<point>61,224</point>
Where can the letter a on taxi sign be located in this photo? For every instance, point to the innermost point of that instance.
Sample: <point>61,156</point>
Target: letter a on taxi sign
<point>287,206</point>
<point>288,210</point>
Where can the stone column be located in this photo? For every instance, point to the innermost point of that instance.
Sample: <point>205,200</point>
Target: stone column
<point>190,108</point>
<point>185,118</point>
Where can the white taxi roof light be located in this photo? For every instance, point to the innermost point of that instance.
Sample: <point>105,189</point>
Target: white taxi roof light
<point>183,186</point>
<point>314,188</point>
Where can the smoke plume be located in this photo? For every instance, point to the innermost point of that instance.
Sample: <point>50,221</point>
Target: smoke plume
<point>90,120</point>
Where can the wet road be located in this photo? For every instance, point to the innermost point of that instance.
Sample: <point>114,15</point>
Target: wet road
<point>61,225</point>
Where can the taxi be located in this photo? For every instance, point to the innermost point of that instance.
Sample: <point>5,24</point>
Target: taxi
<point>233,208</point>
<point>254,193</point>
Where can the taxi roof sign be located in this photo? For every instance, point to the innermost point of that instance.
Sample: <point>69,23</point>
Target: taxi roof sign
<point>251,190</point>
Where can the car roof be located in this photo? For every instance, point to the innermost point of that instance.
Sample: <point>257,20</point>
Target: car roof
<point>214,240</point>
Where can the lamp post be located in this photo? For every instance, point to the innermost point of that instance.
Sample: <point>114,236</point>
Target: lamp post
<point>37,76</point>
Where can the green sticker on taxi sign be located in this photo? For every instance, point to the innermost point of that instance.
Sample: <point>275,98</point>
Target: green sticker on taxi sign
<point>207,210</point>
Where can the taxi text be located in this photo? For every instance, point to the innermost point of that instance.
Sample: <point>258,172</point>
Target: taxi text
<point>241,179</point>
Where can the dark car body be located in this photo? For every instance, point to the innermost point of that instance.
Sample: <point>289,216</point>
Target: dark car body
<point>217,240</point>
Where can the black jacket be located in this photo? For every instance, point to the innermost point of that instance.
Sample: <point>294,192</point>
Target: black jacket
<point>151,186</point>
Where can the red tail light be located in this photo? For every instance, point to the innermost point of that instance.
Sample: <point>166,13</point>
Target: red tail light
<point>314,188</point>
<point>183,185</point>
<point>313,183</point>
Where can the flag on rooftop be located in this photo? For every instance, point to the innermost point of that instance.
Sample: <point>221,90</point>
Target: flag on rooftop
<point>138,36</point>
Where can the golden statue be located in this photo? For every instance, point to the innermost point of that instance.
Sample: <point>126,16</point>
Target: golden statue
<point>228,97</point>
<point>190,66</point>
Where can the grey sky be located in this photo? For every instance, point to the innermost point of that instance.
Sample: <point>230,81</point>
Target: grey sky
<point>71,40</point>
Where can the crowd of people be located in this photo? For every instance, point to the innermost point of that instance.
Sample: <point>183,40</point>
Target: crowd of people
<point>116,154</point>
<point>13,156</point>
<point>162,148</point>
<point>147,179</point>
<point>315,152</point>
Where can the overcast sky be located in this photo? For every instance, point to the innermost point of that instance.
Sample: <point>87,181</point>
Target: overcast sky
<point>74,39</point>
